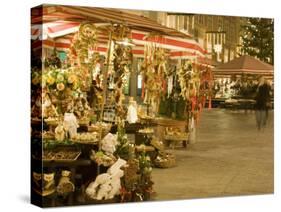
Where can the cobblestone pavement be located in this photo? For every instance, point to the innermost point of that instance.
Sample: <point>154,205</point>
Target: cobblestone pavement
<point>230,157</point>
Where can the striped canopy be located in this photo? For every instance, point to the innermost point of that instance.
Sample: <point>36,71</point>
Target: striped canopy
<point>59,34</point>
<point>54,27</point>
<point>50,13</point>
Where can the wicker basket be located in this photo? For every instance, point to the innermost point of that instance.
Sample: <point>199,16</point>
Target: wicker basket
<point>165,161</point>
<point>144,148</point>
<point>53,156</point>
<point>93,128</point>
<point>157,144</point>
<point>179,137</point>
<point>98,128</point>
<point>48,136</point>
<point>52,122</point>
<point>84,122</point>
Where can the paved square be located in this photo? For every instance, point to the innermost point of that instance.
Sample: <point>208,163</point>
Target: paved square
<point>230,157</point>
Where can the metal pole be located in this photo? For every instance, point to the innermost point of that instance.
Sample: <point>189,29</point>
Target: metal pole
<point>105,75</point>
<point>104,90</point>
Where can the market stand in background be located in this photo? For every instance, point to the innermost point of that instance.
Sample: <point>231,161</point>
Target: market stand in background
<point>236,82</point>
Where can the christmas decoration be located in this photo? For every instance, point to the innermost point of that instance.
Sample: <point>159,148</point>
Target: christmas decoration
<point>153,72</point>
<point>123,148</point>
<point>122,59</point>
<point>257,39</point>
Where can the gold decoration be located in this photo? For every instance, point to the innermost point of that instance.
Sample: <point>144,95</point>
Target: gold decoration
<point>60,86</point>
<point>154,72</point>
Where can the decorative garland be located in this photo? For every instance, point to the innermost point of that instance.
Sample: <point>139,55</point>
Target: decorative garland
<point>196,84</point>
<point>122,59</point>
<point>153,72</point>
<point>82,53</point>
<point>189,80</point>
<point>206,85</point>
<point>84,43</point>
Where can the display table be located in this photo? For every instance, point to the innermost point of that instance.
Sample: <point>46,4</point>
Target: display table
<point>246,104</point>
<point>218,102</point>
<point>175,139</point>
<point>235,104</point>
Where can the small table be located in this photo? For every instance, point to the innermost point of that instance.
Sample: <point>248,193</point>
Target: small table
<point>176,138</point>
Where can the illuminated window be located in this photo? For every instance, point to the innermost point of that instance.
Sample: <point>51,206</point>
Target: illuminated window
<point>139,85</point>
<point>139,81</point>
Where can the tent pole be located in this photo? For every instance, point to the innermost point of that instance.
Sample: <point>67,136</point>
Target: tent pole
<point>105,74</point>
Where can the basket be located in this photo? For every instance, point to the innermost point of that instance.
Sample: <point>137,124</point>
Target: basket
<point>157,144</point>
<point>52,122</point>
<point>144,148</point>
<point>48,136</point>
<point>86,138</point>
<point>93,128</point>
<point>84,122</point>
<point>104,129</point>
<point>166,160</point>
<point>178,137</point>
<point>61,155</point>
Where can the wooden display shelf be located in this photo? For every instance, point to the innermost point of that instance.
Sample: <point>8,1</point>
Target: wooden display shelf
<point>75,163</point>
<point>163,123</point>
<point>174,139</point>
<point>144,148</point>
<point>177,137</point>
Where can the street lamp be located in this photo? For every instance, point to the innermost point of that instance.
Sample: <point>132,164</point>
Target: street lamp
<point>216,40</point>
<point>218,50</point>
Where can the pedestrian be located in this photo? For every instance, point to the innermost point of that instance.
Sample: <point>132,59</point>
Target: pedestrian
<point>262,103</point>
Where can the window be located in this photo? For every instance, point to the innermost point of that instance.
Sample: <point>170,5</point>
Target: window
<point>201,19</point>
<point>171,21</point>
<point>196,34</point>
<point>185,23</point>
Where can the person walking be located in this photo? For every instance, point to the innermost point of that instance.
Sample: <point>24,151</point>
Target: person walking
<point>262,102</point>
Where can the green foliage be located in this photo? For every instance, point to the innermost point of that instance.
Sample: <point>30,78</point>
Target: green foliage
<point>145,164</point>
<point>123,147</point>
<point>52,144</point>
<point>258,39</point>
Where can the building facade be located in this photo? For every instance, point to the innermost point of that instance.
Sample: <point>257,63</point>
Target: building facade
<point>219,35</point>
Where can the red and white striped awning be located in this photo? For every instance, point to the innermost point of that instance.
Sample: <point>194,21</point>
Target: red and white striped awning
<point>177,44</point>
<point>53,29</point>
<point>59,35</point>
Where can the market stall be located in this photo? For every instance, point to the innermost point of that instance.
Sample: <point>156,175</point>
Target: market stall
<point>238,80</point>
<point>79,110</point>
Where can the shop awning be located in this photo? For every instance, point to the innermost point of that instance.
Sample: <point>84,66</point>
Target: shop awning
<point>50,13</point>
<point>53,29</point>
<point>244,65</point>
<point>59,35</point>
<point>58,21</point>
